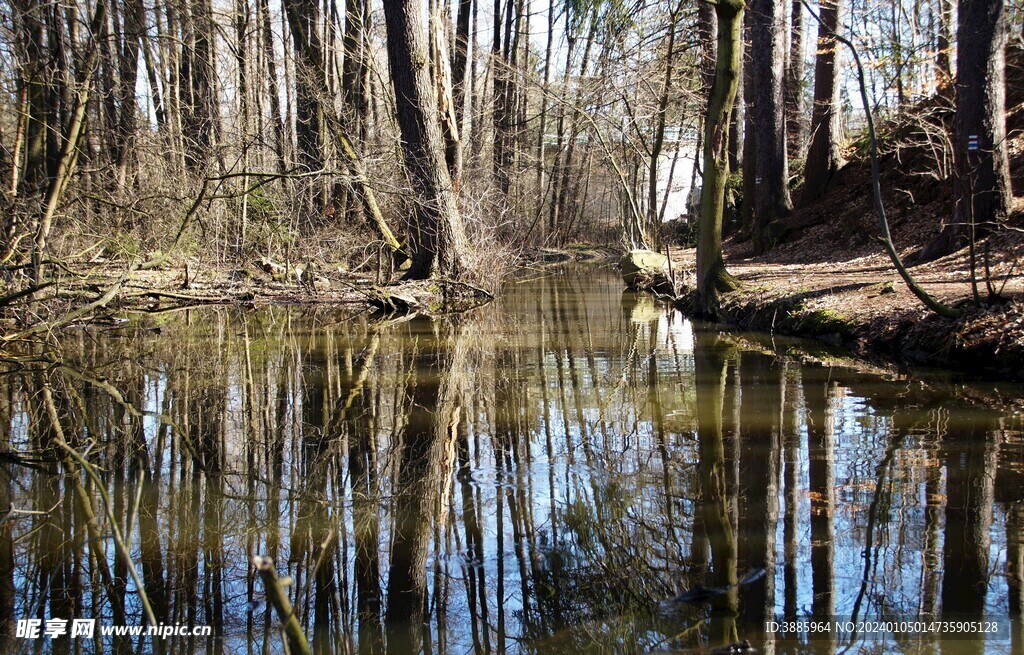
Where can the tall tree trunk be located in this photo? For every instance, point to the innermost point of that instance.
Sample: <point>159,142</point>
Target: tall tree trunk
<point>272,89</point>
<point>749,131</point>
<point>712,277</point>
<point>768,55</point>
<point>316,78</point>
<point>440,63</point>
<point>503,63</point>
<point>571,22</point>
<point>823,158</point>
<point>353,82</point>
<point>737,122</point>
<point>128,69</point>
<point>980,159</point>
<point>310,80</point>
<point>35,76</point>
<point>438,231</point>
<point>461,55</point>
<point>197,75</point>
<point>542,130</point>
<point>241,62</point>
<point>564,194</point>
<point>71,138</point>
<point>795,82</point>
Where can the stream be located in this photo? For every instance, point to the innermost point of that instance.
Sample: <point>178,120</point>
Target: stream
<point>539,475</point>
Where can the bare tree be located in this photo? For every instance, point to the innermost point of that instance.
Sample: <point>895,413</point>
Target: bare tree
<point>823,158</point>
<point>438,235</point>
<point>712,278</point>
<point>767,63</point>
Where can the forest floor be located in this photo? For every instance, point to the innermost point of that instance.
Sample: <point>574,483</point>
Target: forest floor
<point>831,279</point>
<point>857,300</point>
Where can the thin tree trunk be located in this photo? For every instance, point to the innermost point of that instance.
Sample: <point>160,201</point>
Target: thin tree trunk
<point>712,277</point>
<point>134,26</point>
<point>749,158</point>
<point>272,89</point>
<point>795,82</point>
<point>241,54</point>
<point>545,90</point>
<point>310,79</point>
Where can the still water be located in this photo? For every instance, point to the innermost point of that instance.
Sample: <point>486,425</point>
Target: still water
<point>539,475</point>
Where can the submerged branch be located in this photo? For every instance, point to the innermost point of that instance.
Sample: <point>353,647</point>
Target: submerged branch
<point>278,597</point>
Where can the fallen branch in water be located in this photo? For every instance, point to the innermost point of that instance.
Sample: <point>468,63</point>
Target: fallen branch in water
<point>21,293</point>
<point>204,300</point>
<point>297,644</point>
<point>467,285</point>
<point>46,326</point>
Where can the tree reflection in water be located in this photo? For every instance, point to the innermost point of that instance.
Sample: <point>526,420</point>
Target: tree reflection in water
<point>536,476</point>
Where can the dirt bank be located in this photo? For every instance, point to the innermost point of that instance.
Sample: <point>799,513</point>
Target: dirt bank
<point>858,301</point>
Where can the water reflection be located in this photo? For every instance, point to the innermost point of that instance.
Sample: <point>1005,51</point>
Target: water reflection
<point>540,475</point>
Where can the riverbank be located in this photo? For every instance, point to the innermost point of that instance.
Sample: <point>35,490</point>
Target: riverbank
<point>104,293</point>
<point>860,303</point>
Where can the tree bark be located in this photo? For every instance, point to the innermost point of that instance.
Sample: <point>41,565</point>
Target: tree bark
<point>712,277</point>
<point>767,47</point>
<point>795,82</point>
<point>200,111</point>
<point>983,192</point>
<point>823,158</point>
<point>439,236</point>
<point>303,18</point>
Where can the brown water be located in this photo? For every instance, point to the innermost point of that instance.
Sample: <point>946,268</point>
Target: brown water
<point>537,476</point>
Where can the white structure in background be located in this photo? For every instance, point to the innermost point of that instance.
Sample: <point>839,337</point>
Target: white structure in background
<point>680,148</point>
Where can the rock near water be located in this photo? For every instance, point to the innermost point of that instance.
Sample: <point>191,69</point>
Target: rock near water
<point>645,270</point>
